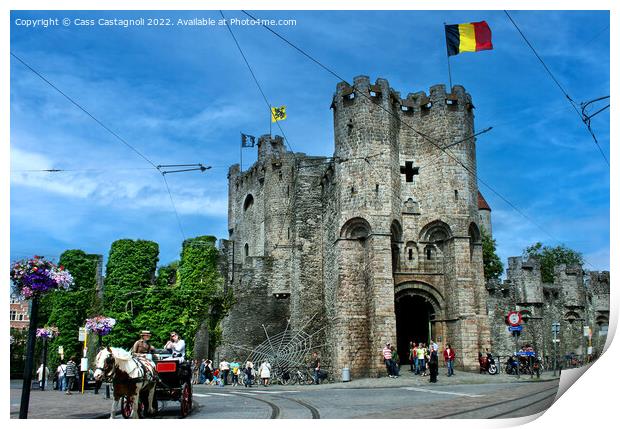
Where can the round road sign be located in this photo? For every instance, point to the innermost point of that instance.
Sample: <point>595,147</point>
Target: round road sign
<point>514,318</point>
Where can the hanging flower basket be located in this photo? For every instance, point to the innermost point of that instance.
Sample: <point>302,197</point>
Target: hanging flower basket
<point>47,332</point>
<point>37,276</point>
<point>100,325</point>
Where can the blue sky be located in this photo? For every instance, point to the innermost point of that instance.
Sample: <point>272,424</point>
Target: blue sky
<point>183,95</point>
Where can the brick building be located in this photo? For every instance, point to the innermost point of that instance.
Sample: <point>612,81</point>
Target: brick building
<point>19,314</point>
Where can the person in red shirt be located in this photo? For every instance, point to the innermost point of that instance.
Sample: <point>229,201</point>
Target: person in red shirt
<point>448,355</point>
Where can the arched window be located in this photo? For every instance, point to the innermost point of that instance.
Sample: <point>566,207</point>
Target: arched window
<point>356,228</point>
<point>246,250</point>
<point>248,203</point>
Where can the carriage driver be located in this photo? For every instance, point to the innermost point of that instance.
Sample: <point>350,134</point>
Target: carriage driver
<point>142,346</point>
<point>177,346</point>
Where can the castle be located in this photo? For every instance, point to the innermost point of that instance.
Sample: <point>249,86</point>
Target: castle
<point>379,243</point>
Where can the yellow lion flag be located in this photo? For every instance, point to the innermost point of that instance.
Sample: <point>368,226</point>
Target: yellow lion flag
<point>278,113</point>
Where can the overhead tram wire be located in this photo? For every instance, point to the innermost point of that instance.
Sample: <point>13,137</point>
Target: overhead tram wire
<point>568,97</point>
<point>105,127</point>
<point>247,63</point>
<point>421,134</point>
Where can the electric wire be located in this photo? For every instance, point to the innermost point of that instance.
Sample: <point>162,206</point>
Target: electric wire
<point>295,160</point>
<point>105,127</point>
<point>423,135</point>
<point>570,100</point>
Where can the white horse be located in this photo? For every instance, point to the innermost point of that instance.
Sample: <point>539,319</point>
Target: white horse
<point>129,376</point>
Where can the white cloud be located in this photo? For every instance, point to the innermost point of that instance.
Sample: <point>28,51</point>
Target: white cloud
<point>142,189</point>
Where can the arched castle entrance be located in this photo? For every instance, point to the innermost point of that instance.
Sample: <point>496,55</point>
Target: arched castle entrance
<point>417,307</point>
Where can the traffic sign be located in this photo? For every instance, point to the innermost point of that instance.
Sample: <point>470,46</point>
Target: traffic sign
<point>517,328</point>
<point>514,318</point>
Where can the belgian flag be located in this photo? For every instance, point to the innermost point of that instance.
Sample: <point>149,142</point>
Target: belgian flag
<point>471,37</point>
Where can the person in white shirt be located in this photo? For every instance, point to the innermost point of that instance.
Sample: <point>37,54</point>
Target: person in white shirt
<point>265,373</point>
<point>42,375</point>
<point>224,370</point>
<point>62,379</point>
<point>177,346</point>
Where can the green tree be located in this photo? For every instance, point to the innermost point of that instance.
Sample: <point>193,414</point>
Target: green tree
<point>493,266</point>
<point>550,257</point>
<point>130,272</point>
<point>70,308</point>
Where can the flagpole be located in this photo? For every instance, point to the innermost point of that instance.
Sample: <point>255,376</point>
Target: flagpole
<point>270,119</point>
<point>448,57</point>
<point>241,154</point>
<point>449,73</point>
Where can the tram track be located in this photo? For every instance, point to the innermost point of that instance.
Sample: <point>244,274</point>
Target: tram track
<point>276,411</point>
<point>503,402</point>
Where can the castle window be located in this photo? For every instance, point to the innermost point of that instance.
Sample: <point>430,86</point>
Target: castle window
<point>429,252</point>
<point>410,255</point>
<point>456,195</point>
<point>246,250</point>
<point>377,187</point>
<point>249,202</point>
<point>352,190</point>
<point>288,190</point>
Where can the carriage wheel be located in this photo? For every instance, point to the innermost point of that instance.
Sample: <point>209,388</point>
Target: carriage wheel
<point>126,407</point>
<point>186,399</point>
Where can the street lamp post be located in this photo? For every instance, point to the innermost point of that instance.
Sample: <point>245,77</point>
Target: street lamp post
<point>32,331</point>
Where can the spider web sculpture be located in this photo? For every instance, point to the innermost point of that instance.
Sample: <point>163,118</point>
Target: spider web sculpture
<point>287,349</point>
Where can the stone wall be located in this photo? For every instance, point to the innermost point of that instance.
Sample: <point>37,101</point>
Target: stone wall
<point>333,243</point>
<point>575,299</point>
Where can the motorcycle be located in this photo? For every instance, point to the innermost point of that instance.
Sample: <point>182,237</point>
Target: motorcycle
<point>487,364</point>
<point>511,365</point>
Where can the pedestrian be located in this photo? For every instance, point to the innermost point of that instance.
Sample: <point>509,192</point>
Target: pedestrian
<point>234,369</point>
<point>249,373</point>
<point>316,367</point>
<point>71,374</point>
<point>427,355</point>
<point>62,376</point>
<point>411,346</point>
<point>209,371</point>
<point>415,358</point>
<point>435,346</point>
<point>387,359</point>
<point>265,373</point>
<point>224,370</point>
<point>395,362</point>
<point>202,375</point>
<point>433,366</point>
<point>216,381</point>
<point>421,351</point>
<point>448,356</point>
<point>42,375</point>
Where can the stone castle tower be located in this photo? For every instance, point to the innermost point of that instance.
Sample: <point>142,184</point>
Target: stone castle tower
<point>379,243</point>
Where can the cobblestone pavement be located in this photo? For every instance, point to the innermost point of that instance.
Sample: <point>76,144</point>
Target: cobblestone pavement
<point>54,404</point>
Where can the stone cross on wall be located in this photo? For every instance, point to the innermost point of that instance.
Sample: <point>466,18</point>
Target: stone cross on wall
<point>409,171</point>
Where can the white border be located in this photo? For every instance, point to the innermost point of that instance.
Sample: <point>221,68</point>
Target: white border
<point>589,403</point>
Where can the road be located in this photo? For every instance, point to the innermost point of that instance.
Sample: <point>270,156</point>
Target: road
<point>479,401</point>
<point>467,395</point>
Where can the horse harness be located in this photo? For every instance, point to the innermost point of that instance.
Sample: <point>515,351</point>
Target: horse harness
<point>146,371</point>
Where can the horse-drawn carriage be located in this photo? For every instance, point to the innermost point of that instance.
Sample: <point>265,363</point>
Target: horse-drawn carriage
<point>136,380</point>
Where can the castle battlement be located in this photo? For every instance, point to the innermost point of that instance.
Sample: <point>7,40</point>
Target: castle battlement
<point>419,102</point>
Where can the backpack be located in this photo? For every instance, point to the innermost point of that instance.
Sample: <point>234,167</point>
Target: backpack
<point>236,370</point>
